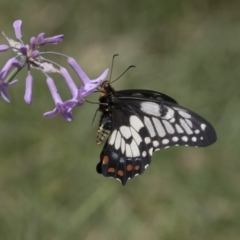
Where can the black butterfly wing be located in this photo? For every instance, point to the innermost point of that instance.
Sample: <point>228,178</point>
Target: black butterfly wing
<point>141,126</point>
<point>144,94</point>
<point>125,154</point>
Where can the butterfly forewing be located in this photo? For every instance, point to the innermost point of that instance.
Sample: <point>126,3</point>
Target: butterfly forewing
<point>172,125</point>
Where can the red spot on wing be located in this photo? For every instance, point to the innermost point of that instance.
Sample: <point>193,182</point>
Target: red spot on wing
<point>120,173</point>
<point>111,170</point>
<point>129,167</point>
<point>137,167</point>
<point>105,160</point>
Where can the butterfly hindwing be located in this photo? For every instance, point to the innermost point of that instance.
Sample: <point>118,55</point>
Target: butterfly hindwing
<point>125,154</point>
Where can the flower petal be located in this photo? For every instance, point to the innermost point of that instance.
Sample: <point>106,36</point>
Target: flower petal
<point>35,54</point>
<point>71,84</point>
<point>53,90</point>
<point>33,41</point>
<point>18,29</point>
<point>8,65</point>
<point>4,93</point>
<point>40,38</point>
<point>4,48</point>
<point>65,109</point>
<point>52,113</point>
<point>52,40</point>
<point>78,70</point>
<point>28,89</point>
<point>3,89</point>
<point>94,84</point>
<point>70,104</point>
<point>24,49</point>
<point>89,85</point>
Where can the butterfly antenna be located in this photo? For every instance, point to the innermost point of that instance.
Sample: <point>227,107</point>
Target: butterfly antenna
<point>94,116</point>
<point>123,73</point>
<point>115,55</point>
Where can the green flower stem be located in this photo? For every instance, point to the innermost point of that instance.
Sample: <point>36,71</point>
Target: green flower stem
<point>10,77</point>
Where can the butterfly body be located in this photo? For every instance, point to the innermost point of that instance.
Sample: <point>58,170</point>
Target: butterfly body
<point>138,122</point>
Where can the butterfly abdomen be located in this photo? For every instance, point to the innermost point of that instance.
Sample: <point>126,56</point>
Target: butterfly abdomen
<point>105,127</point>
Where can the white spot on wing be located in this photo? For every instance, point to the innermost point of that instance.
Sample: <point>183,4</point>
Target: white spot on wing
<point>197,131</point>
<point>185,138</point>
<point>168,127</point>
<point>189,122</point>
<point>155,143</point>
<point>150,108</point>
<point>125,131</point>
<point>150,151</point>
<point>144,153</point>
<point>175,139</point>
<point>184,114</point>
<point>147,140</point>
<point>185,126</point>
<point>203,126</point>
<point>159,127</point>
<point>149,126</point>
<point>194,139</point>
<point>123,146</point>
<point>112,138</point>
<point>118,140</point>
<point>165,141</point>
<point>135,149</point>
<point>136,136</point>
<point>136,123</point>
<point>128,151</point>
<point>179,129</point>
<point>170,113</point>
<point>146,166</point>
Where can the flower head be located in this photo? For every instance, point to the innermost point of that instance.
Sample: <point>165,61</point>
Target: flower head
<point>64,108</point>
<point>30,56</point>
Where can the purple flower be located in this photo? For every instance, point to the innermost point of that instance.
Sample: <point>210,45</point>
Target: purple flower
<point>51,40</point>
<point>12,62</point>
<point>4,86</point>
<point>4,48</point>
<point>18,29</point>
<point>64,108</point>
<point>71,84</point>
<point>28,89</point>
<point>30,56</point>
<point>89,85</point>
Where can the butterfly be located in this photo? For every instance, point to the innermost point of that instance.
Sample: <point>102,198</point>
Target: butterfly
<point>135,123</point>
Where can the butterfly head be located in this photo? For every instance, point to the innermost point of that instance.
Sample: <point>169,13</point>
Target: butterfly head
<point>106,89</point>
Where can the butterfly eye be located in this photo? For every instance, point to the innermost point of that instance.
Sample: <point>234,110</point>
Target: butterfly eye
<point>106,86</point>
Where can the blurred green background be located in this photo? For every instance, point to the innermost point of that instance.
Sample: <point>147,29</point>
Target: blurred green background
<point>49,188</point>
